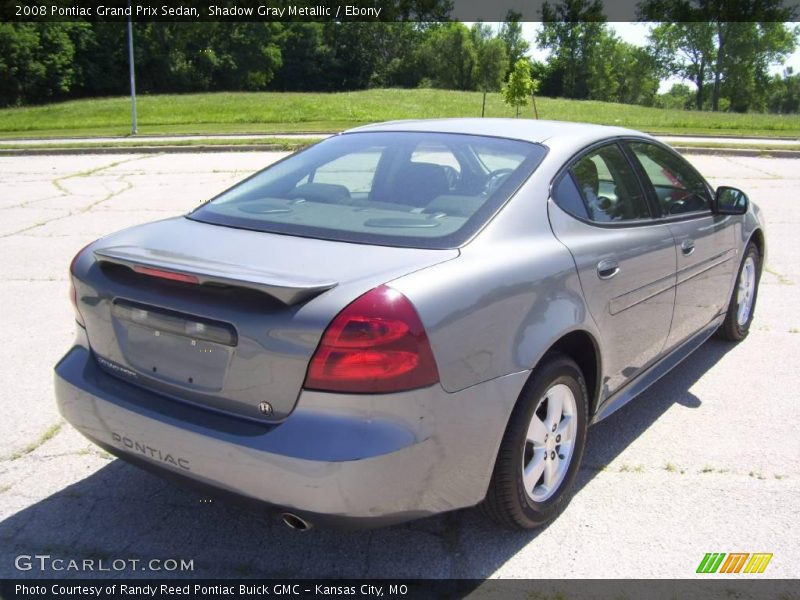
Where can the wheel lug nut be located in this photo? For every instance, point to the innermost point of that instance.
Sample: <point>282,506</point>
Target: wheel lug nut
<point>558,438</point>
<point>553,455</point>
<point>554,427</point>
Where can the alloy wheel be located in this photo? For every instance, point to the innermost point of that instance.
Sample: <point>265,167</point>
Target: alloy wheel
<point>549,443</point>
<point>746,291</point>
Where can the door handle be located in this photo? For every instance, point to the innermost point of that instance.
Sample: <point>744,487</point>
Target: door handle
<point>687,247</point>
<point>607,268</point>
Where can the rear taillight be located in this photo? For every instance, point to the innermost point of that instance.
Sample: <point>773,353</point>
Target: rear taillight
<point>376,344</point>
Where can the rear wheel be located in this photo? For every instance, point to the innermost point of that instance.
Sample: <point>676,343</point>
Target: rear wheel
<point>542,447</point>
<point>743,301</point>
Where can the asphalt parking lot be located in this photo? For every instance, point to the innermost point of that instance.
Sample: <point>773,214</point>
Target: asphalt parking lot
<point>707,460</point>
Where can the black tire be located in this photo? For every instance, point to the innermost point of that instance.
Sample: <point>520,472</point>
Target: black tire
<point>731,329</point>
<point>507,501</point>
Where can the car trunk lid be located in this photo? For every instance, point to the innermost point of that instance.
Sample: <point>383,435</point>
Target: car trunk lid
<point>222,317</point>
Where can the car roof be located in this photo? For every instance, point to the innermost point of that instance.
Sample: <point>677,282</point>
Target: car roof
<point>553,133</point>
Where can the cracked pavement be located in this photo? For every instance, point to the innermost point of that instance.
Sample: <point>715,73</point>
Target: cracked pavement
<point>707,460</point>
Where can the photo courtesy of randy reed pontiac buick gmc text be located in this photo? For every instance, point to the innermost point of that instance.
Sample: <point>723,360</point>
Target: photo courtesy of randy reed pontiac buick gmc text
<point>199,590</point>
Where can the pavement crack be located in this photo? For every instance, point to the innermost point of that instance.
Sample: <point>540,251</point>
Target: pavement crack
<point>57,181</point>
<point>49,434</point>
<point>782,279</point>
<point>35,225</point>
<point>111,194</point>
<point>759,170</point>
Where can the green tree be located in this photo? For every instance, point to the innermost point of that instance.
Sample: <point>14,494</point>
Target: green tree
<point>746,37</point>
<point>481,33</point>
<point>637,75</point>
<point>396,50</point>
<point>304,58</point>
<point>251,55</point>
<point>492,62</point>
<point>101,59</point>
<point>572,31</point>
<point>679,96</point>
<point>784,92</point>
<point>604,67</point>
<point>181,57</point>
<point>361,54</point>
<point>450,57</point>
<point>520,86</point>
<point>37,61</point>
<point>751,48</point>
<point>352,55</point>
<point>514,40</point>
<point>687,50</point>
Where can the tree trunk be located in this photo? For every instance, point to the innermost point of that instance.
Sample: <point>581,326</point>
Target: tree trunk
<point>568,82</point>
<point>483,107</point>
<point>718,69</point>
<point>535,110</point>
<point>700,83</point>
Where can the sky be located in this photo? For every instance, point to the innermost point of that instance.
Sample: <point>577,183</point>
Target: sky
<point>636,33</point>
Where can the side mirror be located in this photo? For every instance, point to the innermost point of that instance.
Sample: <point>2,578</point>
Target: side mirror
<point>730,201</point>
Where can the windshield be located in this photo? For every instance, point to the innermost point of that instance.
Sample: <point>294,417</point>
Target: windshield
<point>425,190</point>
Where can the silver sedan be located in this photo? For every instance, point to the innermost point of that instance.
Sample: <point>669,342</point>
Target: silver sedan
<point>407,318</point>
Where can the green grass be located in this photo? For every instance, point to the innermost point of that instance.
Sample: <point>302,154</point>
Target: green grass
<point>271,144</point>
<point>265,112</point>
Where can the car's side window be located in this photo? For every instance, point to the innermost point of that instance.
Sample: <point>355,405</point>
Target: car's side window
<point>567,196</point>
<point>609,187</point>
<point>677,186</point>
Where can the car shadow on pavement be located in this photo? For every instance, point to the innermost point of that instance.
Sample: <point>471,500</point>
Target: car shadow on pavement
<point>121,512</point>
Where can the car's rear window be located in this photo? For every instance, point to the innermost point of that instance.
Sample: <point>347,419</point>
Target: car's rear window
<point>425,190</point>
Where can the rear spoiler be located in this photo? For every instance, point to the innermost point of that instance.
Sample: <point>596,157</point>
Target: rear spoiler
<point>289,289</point>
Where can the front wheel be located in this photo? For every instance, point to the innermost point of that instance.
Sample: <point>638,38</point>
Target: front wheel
<point>542,447</point>
<point>743,301</point>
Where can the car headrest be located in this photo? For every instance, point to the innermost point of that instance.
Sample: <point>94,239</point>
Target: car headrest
<point>320,192</point>
<point>419,183</point>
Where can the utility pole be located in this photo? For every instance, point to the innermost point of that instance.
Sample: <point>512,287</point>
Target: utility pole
<point>134,126</point>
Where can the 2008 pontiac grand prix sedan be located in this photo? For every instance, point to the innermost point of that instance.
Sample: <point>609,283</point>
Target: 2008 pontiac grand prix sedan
<point>407,318</point>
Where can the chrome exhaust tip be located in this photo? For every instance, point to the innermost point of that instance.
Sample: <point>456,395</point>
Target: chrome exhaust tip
<point>292,521</point>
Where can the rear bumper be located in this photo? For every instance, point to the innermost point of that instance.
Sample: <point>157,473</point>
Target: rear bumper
<point>338,459</point>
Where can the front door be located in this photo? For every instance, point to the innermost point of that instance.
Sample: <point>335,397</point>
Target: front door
<point>625,259</point>
<point>704,242</point>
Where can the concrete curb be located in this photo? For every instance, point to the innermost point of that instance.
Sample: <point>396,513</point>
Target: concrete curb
<point>133,149</point>
<point>753,152</point>
<point>722,135</point>
<point>756,152</point>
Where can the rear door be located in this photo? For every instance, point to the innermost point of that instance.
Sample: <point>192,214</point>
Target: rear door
<point>704,242</point>
<point>625,259</point>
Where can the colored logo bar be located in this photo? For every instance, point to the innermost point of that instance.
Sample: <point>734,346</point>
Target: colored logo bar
<point>734,562</point>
